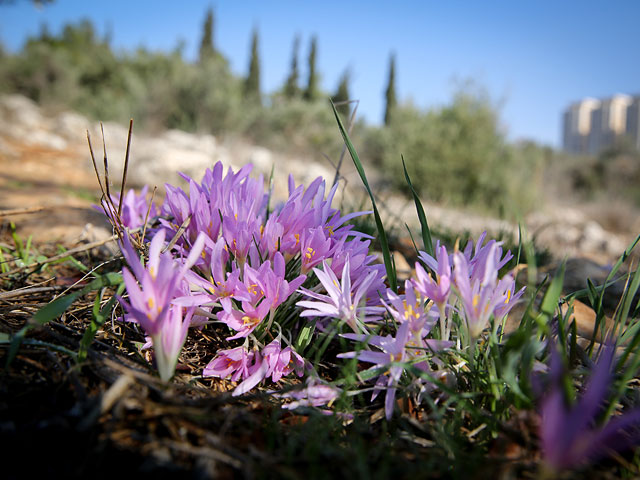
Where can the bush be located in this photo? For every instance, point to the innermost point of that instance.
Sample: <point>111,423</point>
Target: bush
<point>458,155</point>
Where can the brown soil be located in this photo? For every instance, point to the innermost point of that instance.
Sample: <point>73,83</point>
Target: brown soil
<point>62,182</point>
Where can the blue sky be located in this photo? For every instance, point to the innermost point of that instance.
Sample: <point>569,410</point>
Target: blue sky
<point>533,57</point>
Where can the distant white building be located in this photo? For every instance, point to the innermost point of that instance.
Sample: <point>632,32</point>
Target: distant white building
<point>633,122</point>
<point>590,126</point>
<point>577,125</point>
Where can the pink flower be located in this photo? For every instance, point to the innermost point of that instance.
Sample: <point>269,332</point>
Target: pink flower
<point>340,302</point>
<point>315,394</point>
<point>246,320</point>
<point>314,248</point>
<point>393,351</point>
<point>281,362</point>
<point>150,303</point>
<point>232,363</point>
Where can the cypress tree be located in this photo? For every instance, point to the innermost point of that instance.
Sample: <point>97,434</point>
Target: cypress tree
<point>291,88</point>
<point>390,93</point>
<point>252,83</point>
<point>206,43</point>
<point>312,83</point>
<point>342,95</point>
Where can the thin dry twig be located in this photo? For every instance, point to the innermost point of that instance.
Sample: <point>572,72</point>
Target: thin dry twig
<point>126,167</point>
<point>21,292</point>
<point>146,217</point>
<point>106,163</point>
<point>22,211</point>
<point>178,234</point>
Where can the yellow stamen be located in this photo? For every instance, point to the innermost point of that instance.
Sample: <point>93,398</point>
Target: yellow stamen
<point>247,320</point>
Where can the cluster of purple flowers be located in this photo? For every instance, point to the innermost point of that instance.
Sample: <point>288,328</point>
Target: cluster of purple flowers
<point>465,284</point>
<point>239,264</point>
<point>276,278</point>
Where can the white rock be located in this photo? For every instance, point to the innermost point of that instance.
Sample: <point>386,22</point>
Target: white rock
<point>72,127</point>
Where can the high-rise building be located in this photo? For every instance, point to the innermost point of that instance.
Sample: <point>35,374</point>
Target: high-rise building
<point>608,123</point>
<point>577,125</point>
<point>590,126</point>
<point>633,122</point>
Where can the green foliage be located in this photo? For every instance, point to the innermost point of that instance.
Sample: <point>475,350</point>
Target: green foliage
<point>311,92</point>
<point>457,154</point>
<point>295,125</point>
<point>342,97</point>
<point>252,83</point>
<point>291,88</point>
<point>390,92</point>
<point>382,235</point>
<point>207,50</point>
<point>614,173</point>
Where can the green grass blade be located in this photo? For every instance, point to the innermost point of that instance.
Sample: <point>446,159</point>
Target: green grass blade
<point>599,304</point>
<point>627,296</point>
<point>384,242</point>
<point>304,338</point>
<point>100,316</point>
<point>552,295</point>
<point>519,243</point>
<point>426,233</point>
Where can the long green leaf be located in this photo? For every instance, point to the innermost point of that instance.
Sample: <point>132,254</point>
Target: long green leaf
<point>552,295</point>
<point>426,233</point>
<point>599,305</point>
<point>384,243</point>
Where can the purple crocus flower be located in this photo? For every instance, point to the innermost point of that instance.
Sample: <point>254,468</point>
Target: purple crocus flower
<point>314,248</point>
<point>168,342</point>
<point>569,435</point>
<point>315,394</point>
<point>150,303</point>
<point>269,282</point>
<point>246,320</point>
<point>393,351</point>
<point>232,363</point>
<point>273,361</point>
<point>481,294</point>
<point>281,361</point>
<point>134,208</point>
<point>437,289</point>
<point>220,285</point>
<point>340,302</point>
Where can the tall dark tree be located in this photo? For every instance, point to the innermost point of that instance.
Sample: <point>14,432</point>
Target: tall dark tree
<point>341,96</point>
<point>311,91</point>
<point>252,83</point>
<point>207,50</point>
<point>291,88</point>
<point>390,93</point>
